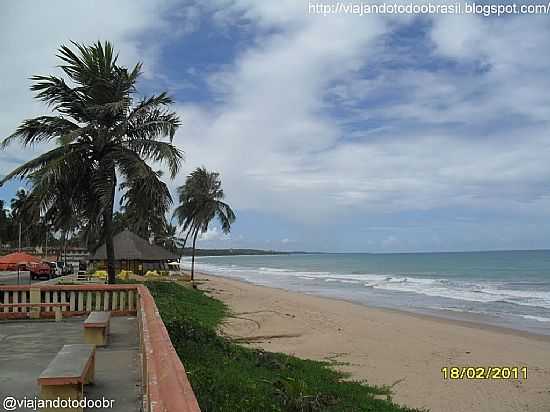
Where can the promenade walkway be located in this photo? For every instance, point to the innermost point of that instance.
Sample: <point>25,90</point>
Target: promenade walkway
<point>27,347</point>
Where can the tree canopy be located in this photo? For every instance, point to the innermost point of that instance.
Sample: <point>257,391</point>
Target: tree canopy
<point>201,201</point>
<point>103,140</point>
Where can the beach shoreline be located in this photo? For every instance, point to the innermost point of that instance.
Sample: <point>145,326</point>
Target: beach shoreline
<point>390,347</point>
<point>482,287</point>
<point>462,319</point>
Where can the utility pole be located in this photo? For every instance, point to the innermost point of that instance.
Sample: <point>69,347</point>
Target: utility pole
<point>19,236</point>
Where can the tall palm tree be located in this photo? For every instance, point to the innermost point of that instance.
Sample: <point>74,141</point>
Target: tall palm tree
<point>100,134</point>
<point>56,201</point>
<point>170,239</point>
<point>201,200</point>
<point>25,215</point>
<point>4,224</point>
<point>145,207</point>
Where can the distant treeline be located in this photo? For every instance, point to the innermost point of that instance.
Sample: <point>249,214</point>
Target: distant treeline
<point>233,252</point>
<point>18,214</point>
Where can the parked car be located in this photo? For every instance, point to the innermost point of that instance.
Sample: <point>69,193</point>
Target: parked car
<point>40,270</point>
<point>65,268</point>
<point>56,271</point>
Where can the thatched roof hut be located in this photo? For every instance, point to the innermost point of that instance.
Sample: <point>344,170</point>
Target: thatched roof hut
<point>135,253</point>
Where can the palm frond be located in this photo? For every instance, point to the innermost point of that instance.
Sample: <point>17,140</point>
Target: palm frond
<point>225,215</point>
<point>157,151</point>
<point>200,202</point>
<point>153,125</point>
<point>41,129</point>
<point>149,104</point>
<point>59,96</point>
<point>48,159</point>
<point>103,180</point>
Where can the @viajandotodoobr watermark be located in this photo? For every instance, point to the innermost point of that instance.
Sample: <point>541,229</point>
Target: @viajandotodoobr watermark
<point>10,403</point>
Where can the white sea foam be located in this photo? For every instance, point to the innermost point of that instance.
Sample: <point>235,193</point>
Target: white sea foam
<point>537,318</point>
<point>480,291</point>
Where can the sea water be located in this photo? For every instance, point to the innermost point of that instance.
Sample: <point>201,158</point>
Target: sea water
<point>504,288</point>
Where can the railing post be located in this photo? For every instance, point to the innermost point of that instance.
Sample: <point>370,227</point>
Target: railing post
<point>24,300</point>
<point>16,300</point>
<point>35,298</point>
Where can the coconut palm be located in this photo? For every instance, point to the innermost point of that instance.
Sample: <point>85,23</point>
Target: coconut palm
<point>25,215</point>
<point>4,224</point>
<point>201,200</point>
<point>170,239</point>
<point>145,206</point>
<point>101,135</point>
<point>56,205</point>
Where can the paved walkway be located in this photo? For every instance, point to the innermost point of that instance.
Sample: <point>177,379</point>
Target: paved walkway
<point>27,347</point>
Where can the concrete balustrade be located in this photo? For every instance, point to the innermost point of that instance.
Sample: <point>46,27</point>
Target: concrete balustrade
<point>81,299</point>
<point>165,386</point>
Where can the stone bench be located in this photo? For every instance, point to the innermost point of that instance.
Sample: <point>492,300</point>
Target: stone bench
<point>65,377</point>
<point>96,328</point>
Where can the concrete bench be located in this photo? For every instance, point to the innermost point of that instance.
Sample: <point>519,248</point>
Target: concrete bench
<point>55,306</point>
<point>96,328</point>
<point>65,377</point>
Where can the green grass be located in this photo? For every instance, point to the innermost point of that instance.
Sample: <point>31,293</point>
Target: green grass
<point>229,377</point>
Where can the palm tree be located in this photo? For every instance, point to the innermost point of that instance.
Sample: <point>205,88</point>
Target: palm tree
<point>100,134</point>
<point>170,239</point>
<point>56,202</point>
<point>4,224</point>
<point>200,201</point>
<point>145,206</point>
<point>25,215</point>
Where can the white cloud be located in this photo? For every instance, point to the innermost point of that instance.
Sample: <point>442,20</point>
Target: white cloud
<point>390,242</point>
<point>469,131</point>
<point>458,36</point>
<point>33,31</point>
<point>280,151</point>
<point>264,135</point>
<point>214,233</point>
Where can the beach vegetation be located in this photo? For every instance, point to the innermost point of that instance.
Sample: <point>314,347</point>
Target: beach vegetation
<point>227,376</point>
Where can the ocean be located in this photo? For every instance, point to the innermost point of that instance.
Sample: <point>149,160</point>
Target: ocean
<point>504,288</point>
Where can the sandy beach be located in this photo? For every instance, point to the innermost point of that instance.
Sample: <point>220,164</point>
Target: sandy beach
<point>387,347</point>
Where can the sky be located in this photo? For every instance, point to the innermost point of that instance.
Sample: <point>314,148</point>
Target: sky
<point>342,133</point>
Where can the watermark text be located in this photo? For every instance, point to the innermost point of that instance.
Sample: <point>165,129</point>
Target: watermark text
<point>364,8</point>
<point>10,403</point>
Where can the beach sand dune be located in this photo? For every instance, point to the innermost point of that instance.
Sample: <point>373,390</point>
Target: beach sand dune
<point>388,347</point>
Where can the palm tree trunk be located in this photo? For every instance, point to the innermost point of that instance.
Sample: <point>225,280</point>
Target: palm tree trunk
<point>182,250</point>
<point>108,227</point>
<point>109,246</point>
<point>193,257</point>
<point>63,240</point>
<point>65,247</point>
<point>185,240</point>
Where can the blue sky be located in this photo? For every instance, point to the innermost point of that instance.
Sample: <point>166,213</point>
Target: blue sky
<point>331,133</point>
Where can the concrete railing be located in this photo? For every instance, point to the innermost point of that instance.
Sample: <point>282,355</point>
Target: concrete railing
<point>166,387</point>
<point>164,380</point>
<point>79,299</point>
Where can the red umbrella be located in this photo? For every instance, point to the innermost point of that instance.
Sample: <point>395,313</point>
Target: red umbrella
<point>13,260</point>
